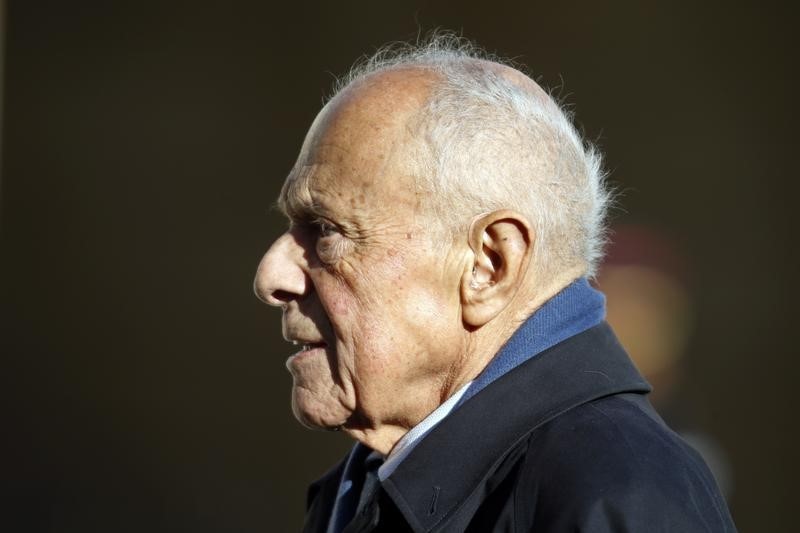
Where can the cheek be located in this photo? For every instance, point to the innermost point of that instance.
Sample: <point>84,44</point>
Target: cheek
<point>336,297</point>
<point>406,331</point>
<point>390,307</point>
<point>426,307</point>
<point>340,307</point>
<point>411,298</point>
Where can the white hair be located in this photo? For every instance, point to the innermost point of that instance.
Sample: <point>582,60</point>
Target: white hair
<point>492,140</point>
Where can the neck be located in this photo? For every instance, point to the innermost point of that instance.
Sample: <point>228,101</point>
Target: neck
<point>487,341</point>
<point>381,438</point>
<point>479,348</point>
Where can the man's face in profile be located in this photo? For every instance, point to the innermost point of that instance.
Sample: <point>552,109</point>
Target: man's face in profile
<point>365,291</point>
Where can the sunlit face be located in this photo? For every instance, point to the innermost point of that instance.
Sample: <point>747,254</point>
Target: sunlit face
<point>371,301</point>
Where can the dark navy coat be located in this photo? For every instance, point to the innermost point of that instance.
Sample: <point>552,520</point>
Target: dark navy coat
<point>565,442</point>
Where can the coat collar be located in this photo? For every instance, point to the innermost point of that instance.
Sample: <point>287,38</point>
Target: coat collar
<point>441,473</point>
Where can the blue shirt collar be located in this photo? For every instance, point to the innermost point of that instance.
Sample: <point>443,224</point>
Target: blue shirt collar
<point>578,307</point>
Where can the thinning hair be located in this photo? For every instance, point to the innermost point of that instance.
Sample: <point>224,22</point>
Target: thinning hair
<point>489,138</point>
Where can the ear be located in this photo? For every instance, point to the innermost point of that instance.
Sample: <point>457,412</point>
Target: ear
<point>502,245</point>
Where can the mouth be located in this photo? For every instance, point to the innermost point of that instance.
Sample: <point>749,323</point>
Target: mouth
<point>308,346</point>
<point>307,349</point>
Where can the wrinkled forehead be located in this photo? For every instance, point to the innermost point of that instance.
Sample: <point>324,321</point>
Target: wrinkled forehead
<point>360,139</point>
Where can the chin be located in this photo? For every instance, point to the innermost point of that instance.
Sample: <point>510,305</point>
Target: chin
<point>314,416</point>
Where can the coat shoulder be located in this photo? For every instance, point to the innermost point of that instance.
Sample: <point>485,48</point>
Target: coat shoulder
<point>613,465</point>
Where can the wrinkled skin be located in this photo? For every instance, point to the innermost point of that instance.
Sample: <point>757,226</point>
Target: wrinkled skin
<point>357,275</point>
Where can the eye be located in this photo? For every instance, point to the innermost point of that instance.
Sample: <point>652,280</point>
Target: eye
<point>330,242</point>
<point>325,229</point>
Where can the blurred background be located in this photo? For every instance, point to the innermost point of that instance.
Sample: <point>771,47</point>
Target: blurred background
<point>143,144</point>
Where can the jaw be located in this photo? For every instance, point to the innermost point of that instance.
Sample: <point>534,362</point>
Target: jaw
<point>381,439</point>
<point>318,411</point>
<point>318,399</point>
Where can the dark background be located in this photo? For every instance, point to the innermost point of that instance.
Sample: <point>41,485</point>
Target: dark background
<point>143,385</point>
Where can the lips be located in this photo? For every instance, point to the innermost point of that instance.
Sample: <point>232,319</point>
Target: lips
<point>306,351</point>
<point>309,345</point>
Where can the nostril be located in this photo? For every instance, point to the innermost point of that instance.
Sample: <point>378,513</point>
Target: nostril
<point>282,296</point>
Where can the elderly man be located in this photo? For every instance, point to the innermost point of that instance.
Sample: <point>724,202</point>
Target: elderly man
<point>444,214</point>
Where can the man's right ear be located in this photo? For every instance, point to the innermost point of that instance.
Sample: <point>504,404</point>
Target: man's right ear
<point>502,245</point>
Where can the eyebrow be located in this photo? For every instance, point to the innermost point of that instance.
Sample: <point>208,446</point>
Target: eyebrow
<point>295,209</point>
<point>295,200</point>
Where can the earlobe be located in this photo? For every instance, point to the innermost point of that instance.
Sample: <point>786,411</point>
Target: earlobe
<point>501,244</point>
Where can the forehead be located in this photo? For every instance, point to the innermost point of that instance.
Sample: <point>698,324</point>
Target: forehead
<point>359,145</point>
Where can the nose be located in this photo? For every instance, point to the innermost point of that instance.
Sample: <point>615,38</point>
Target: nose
<point>281,277</point>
